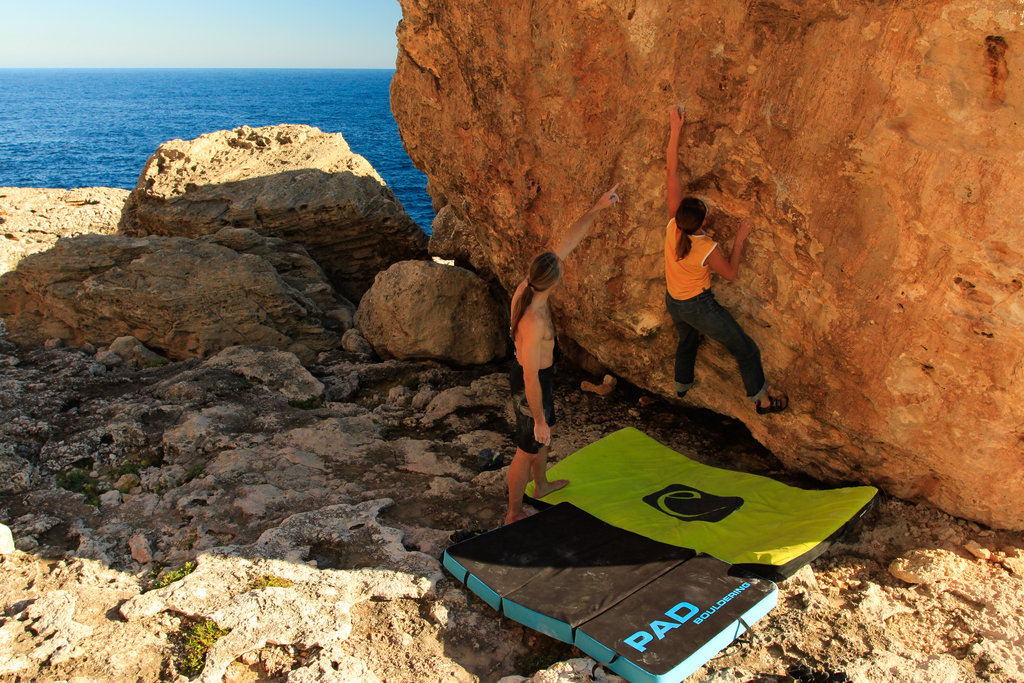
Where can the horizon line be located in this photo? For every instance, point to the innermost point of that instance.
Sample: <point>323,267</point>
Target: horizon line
<point>196,68</point>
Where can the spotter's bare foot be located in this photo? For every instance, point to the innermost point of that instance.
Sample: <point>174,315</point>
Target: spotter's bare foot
<point>515,516</point>
<point>549,487</point>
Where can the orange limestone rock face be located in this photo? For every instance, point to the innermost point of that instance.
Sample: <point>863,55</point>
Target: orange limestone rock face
<point>877,149</point>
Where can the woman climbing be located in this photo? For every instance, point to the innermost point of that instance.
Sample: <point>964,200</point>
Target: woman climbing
<point>690,256</point>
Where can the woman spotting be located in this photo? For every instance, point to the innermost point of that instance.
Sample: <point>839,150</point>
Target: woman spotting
<point>690,256</point>
<point>533,369</point>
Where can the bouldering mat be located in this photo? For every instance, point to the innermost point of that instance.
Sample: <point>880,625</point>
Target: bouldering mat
<point>631,481</point>
<point>652,612</point>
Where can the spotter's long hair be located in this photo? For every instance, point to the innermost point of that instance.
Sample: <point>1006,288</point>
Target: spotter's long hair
<point>545,271</point>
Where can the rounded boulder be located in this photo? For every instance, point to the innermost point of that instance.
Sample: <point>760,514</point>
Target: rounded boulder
<point>426,310</point>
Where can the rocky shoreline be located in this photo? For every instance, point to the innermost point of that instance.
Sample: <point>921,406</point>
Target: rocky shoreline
<point>207,477</point>
<point>345,507</point>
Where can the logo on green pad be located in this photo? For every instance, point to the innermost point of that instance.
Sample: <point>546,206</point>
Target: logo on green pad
<point>688,504</point>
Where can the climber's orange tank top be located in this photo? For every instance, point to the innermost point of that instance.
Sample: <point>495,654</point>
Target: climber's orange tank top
<point>690,276</point>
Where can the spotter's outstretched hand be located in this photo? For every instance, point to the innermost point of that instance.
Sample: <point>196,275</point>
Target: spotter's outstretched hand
<point>609,198</point>
<point>677,118</point>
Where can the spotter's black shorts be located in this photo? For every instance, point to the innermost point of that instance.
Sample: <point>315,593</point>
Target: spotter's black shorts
<point>524,418</point>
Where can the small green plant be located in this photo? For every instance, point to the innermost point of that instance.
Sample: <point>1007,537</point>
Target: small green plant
<point>131,468</point>
<point>79,481</point>
<point>412,382</point>
<point>311,403</point>
<point>157,362</point>
<point>176,575</point>
<point>547,655</point>
<point>268,581</point>
<point>195,472</point>
<point>198,639</point>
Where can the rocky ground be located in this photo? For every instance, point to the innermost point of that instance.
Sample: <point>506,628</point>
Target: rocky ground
<point>302,512</point>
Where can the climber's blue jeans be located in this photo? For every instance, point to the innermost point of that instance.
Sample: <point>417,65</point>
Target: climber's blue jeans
<point>703,315</point>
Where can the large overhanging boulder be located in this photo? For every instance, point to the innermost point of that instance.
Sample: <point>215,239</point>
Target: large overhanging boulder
<point>289,181</point>
<point>875,147</point>
<point>184,297</point>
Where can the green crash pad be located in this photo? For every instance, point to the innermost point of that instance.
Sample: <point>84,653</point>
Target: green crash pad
<point>631,481</point>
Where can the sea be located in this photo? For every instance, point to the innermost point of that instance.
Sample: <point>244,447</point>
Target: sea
<point>67,128</point>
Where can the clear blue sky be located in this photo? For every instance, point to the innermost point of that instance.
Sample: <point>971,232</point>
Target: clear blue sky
<point>193,33</point>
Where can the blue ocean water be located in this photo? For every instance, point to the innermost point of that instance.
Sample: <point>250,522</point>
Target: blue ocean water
<point>96,127</point>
